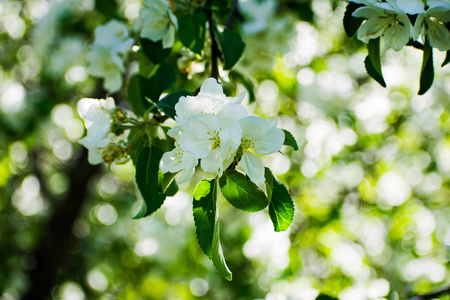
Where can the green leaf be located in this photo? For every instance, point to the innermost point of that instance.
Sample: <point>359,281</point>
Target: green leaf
<point>325,297</point>
<point>167,104</point>
<point>241,192</point>
<point>373,61</point>
<point>141,88</point>
<point>168,185</point>
<point>351,23</point>
<point>206,220</point>
<point>231,46</point>
<point>154,50</point>
<point>163,79</point>
<point>172,189</point>
<point>219,7</point>
<point>107,8</point>
<point>137,90</point>
<point>281,206</point>
<point>446,60</point>
<point>289,140</point>
<point>191,31</point>
<point>246,82</point>
<point>136,141</point>
<point>427,72</point>
<point>148,181</point>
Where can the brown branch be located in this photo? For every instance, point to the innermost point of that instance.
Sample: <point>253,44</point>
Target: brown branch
<point>51,255</point>
<point>215,52</point>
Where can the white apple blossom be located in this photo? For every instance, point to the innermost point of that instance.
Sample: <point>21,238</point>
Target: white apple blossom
<point>113,36</point>
<point>259,136</point>
<point>387,20</point>
<point>257,14</point>
<point>96,114</point>
<point>107,65</point>
<point>157,22</point>
<point>178,159</point>
<point>105,56</point>
<point>431,25</point>
<point>95,149</point>
<point>214,138</point>
<point>217,130</point>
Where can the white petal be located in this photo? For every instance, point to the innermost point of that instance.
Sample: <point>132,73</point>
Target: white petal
<point>94,150</point>
<point>236,100</point>
<point>440,12</point>
<point>173,18</point>
<point>200,147</point>
<point>169,37</point>
<point>370,29</point>
<point>189,106</point>
<point>253,166</point>
<point>85,106</point>
<point>390,5</point>
<point>153,27</point>
<point>199,133</point>
<point>177,160</point>
<point>271,143</point>
<point>253,127</point>
<point>186,175</point>
<point>113,82</point>
<point>411,7</point>
<point>439,37</point>
<point>418,26</point>
<point>96,115</point>
<point>211,88</point>
<point>397,36</point>
<point>230,139</point>
<point>230,115</point>
<point>212,163</point>
<point>156,5</point>
<point>367,12</point>
<point>175,132</point>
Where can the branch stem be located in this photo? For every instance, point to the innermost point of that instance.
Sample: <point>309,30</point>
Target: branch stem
<point>215,52</point>
<point>233,13</point>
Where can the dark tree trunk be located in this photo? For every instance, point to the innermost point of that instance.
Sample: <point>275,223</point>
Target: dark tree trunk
<point>51,252</point>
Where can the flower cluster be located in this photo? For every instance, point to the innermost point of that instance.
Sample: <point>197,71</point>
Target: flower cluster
<point>105,56</point>
<point>156,22</point>
<point>390,20</point>
<point>102,144</point>
<point>218,130</point>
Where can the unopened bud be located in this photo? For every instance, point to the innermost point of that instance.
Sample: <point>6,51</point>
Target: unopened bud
<point>120,114</point>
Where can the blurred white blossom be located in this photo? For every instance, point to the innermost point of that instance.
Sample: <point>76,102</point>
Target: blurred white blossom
<point>105,56</point>
<point>156,22</point>
<point>387,20</point>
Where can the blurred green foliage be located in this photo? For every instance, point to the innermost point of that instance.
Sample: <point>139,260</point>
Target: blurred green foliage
<point>370,182</point>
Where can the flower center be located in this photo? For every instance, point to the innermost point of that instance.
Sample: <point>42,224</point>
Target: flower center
<point>214,137</point>
<point>161,23</point>
<point>247,143</point>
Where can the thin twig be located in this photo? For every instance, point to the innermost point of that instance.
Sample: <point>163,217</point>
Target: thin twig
<point>415,44</point>
<point>215,52</point>
<point>233,13</point>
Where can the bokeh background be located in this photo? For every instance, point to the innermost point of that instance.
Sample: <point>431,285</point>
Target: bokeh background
<point>370,182</point>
